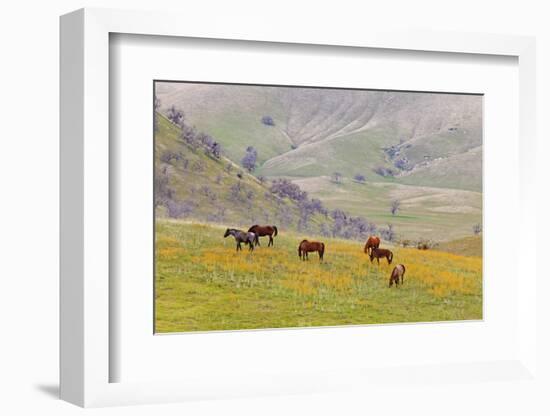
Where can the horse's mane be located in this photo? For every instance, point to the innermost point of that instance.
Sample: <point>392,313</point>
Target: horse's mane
<point>303,241</point>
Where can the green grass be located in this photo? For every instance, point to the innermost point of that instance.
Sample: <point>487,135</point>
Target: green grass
<point>438,214</point>
<point>203,284</point>
<point>311,119</point>
<point>467,246</point>
<point>189,184</point>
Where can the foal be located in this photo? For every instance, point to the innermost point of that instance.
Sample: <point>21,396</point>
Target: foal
<point>398,272</point>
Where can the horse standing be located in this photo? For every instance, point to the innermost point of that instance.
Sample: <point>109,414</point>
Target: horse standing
<point>372,242</point>
<point>241,237</point>
<point>263,230</point>
<point>307,246</point>
<point>377,253</point>
<point>398,272</point>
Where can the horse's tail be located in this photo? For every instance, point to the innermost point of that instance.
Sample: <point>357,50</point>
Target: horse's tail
<point>322,249</point>
<point>367,247</point>
<point>251,229</point>
<point>300,250</point>
<point>276,232</point>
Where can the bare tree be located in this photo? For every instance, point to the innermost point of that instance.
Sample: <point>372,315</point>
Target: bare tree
<point>179,209</point>
<point>336,177</point>
<point>395,206</point>
<point>388,233</point>
<point>268,121</point>
<point>360,178</point>
<point>176,116</point>
<point>249,159</point>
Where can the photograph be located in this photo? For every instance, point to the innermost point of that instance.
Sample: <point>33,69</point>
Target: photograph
<point>279,206</point>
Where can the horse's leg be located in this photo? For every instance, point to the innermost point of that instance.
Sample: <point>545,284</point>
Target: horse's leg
<point>239,246</point>
<point>270,240</point>
<point>378,260</point>
<point>391,281</point>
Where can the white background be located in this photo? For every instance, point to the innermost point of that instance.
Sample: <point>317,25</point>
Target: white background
<point>138,60</point>
<point>29,163</point>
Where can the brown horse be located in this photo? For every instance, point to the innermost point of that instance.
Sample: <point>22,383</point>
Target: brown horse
<point>398,272</point>
<point>263,230</point>
<point>308,246</point>
<point>377,253</point>
<point>372,242</point>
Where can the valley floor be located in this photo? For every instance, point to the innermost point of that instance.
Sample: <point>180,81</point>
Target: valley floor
<point>202,284</point>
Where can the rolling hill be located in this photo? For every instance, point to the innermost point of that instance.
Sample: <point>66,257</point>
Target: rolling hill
<point>318,131</point>
<point>423,150</point>
<point>196,186</point>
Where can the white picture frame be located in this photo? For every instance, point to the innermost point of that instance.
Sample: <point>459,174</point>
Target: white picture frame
<point>86,356</point>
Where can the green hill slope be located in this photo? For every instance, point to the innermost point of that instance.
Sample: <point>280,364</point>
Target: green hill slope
<point>320,131</point>
<point>194,185</point>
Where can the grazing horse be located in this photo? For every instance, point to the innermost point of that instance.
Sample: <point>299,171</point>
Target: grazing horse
<point>398,272</point>
<point>372,242</point>
<point>241,237</point>
<point>263,230</point>
<point>307,246</point>
<point>377,253</point>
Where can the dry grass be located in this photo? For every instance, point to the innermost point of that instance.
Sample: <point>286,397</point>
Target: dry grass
<point>203,284</point>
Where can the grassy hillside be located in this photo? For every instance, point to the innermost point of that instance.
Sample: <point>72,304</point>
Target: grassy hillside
<point>202,284</point>
<point>207,186</point>
<point>320,131</point>
<point>467,246</point>
<point>456,171</point>
<point>433,213</point>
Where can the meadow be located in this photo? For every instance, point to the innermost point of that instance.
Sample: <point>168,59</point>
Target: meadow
<point>202,284</point>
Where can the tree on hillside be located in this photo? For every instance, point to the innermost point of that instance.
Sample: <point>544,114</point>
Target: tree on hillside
<point>175,116</point>
<point>384,171</point>
<point>388,233</point>
<point>249,159</point>
<point>268,121</point>
<point>394,207</point>
<point>359,178</point>
<point>189,136</point>
<point>336,177</point>
<point>179,209</point>
<point>157,108</point>
<point>476,229</point>
<point>286,189</point>
<point>216,150</point>
<point>402,163</point>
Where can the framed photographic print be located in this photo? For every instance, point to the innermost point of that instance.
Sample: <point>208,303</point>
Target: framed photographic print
<point>346,176</point>
<point>264,214</point>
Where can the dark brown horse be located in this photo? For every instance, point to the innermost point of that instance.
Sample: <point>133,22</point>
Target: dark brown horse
<point>262,231</point>
<point>308,246</point>
<point>377,253</point>
<point>372,242</point>
<point>398,272</point>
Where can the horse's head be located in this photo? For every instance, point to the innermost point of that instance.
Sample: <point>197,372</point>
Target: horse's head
<point>227,232</point>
